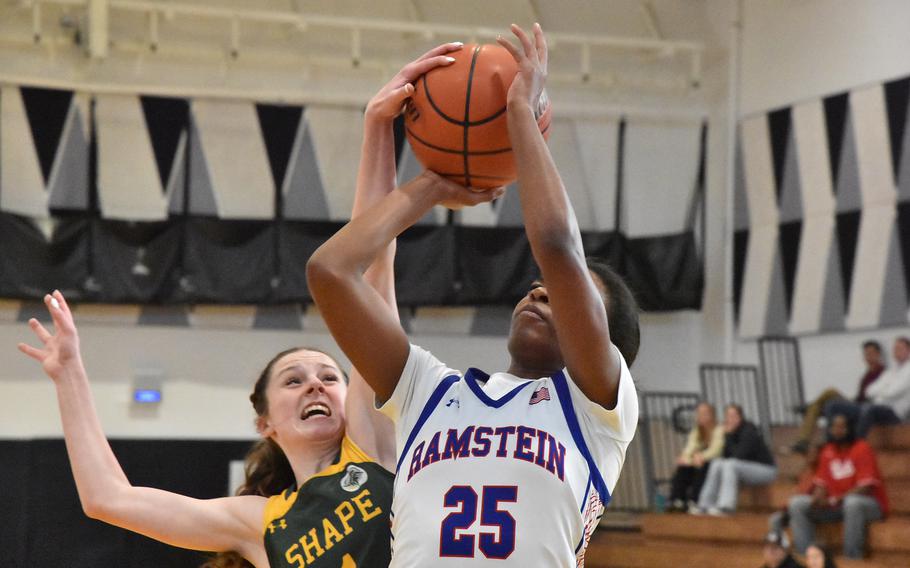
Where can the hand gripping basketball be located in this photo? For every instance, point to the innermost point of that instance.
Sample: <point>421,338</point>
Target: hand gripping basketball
<point>456,118</point>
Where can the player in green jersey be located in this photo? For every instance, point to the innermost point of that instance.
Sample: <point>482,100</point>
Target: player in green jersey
<point>319,484</point>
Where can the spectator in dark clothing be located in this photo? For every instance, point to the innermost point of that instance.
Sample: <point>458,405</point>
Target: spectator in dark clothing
<point>746,459</point>
<point>873,356</point>
<point>888,398</point>
<point>848,487</point>
<point>776,552</point>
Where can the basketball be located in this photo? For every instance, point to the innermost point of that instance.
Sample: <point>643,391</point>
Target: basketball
<point>456,118</point>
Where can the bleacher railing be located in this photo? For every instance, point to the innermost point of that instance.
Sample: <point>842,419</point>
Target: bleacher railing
<point>666,418</point>
<point>782,370</point>
<point>737,384</point>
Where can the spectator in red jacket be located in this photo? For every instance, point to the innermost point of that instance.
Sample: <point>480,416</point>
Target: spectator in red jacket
<point>848,487</point>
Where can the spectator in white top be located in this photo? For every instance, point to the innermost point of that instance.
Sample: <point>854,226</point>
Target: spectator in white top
<point>888,398</point>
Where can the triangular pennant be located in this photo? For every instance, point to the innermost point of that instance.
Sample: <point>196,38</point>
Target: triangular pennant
<point>304,194</point>
<point>202,194</point>
<point>791,200</point>
<point>740,197</point>
<point>740,249</point>
<point>779,134</point>
<point>176,184</point>
<point>790,235</point>
<point>833,305</point>
<point>847,184</point>
<point>847,238</point>
<point>835,120</point>
<point>893,309</point>
<point>167,121</point>
<point>902,159</point>
<point>68,186</point>
<point>280,125</point>
<point>897,96</point>
<point>776,316</point>
<point>47,111</point>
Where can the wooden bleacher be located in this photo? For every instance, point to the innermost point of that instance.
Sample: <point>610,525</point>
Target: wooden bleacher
<point>656,540</point>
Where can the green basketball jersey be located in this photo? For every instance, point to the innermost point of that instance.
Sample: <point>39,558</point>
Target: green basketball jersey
<point>339,518</point>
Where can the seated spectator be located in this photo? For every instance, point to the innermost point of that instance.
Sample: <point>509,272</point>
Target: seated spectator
<point>805,483</point>
<point>746,458</point>
<point>848,487</point>
<point>873,356</point>
<point>705,442</point>
<point>888,397</point>
<point>776,552</point>
<point>818,557</point>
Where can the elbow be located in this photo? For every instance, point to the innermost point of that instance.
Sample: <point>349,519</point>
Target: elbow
<point>321,273</point>
<point>96,508</point>
<point>555,242</point>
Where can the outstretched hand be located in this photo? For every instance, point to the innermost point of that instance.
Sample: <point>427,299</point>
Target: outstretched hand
<point>529,82</point>
<point>389,101</point>
<point>60,350</point>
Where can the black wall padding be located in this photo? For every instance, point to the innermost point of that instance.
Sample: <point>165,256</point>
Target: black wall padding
<point>42,519</point>
<point>31,266</point>
<point>207,260</point>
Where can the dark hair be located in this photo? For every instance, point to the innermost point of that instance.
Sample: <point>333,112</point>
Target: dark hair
<point>873,344</point>
<point>622,309</point>
<point>851,428</point>
<point>738,408</point>
<point>267,470</point>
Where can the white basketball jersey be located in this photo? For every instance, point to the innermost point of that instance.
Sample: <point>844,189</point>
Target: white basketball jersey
<point>500,470</point>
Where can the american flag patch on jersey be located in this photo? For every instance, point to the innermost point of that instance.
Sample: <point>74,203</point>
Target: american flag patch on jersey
<point>540,395</point>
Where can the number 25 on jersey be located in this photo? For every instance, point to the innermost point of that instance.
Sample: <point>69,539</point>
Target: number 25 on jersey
<point>491,544</point>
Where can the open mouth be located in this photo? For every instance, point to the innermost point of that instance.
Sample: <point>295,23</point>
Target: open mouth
<point>316,409</point>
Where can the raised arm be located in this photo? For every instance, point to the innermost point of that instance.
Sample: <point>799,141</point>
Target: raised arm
<point>363,326</point>
<point>230,523</point>
<point>578,309</point>
<point>370,429</point>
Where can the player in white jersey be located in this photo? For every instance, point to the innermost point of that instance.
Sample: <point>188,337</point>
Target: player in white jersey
<point>515,468</point>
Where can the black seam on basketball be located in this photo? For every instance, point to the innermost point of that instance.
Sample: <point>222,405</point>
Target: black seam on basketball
<point>447,118</point>
<point>453,151</point>
<point>467,117</point>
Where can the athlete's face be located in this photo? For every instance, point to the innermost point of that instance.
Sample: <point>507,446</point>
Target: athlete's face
<point>532,336</point>
<point>306,394</point>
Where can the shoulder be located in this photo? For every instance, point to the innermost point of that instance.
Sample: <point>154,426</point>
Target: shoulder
<point>862,447</point>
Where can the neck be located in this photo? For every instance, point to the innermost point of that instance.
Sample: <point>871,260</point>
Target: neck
<point>312,458</point>
<point>528,371</point>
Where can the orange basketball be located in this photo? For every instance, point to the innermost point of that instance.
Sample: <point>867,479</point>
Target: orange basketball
<point>456,118</point>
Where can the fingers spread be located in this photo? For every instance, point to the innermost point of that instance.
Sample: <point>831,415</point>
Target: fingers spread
<point>441,50</point>
<point>413,71</point>
<point>42,334</point>
<point>55,308</point>
<point>509,47</point>
<point>529,50</point>
<point>32,352</point>
<point>541,43</point>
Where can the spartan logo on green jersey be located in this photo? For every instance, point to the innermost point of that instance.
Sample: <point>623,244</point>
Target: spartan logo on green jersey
<point>354,478</point>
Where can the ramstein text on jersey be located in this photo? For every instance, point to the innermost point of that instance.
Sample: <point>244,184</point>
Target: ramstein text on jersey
<point>511,442</point>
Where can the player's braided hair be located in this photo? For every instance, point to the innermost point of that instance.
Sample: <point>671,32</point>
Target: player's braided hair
<point>267,470</point>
